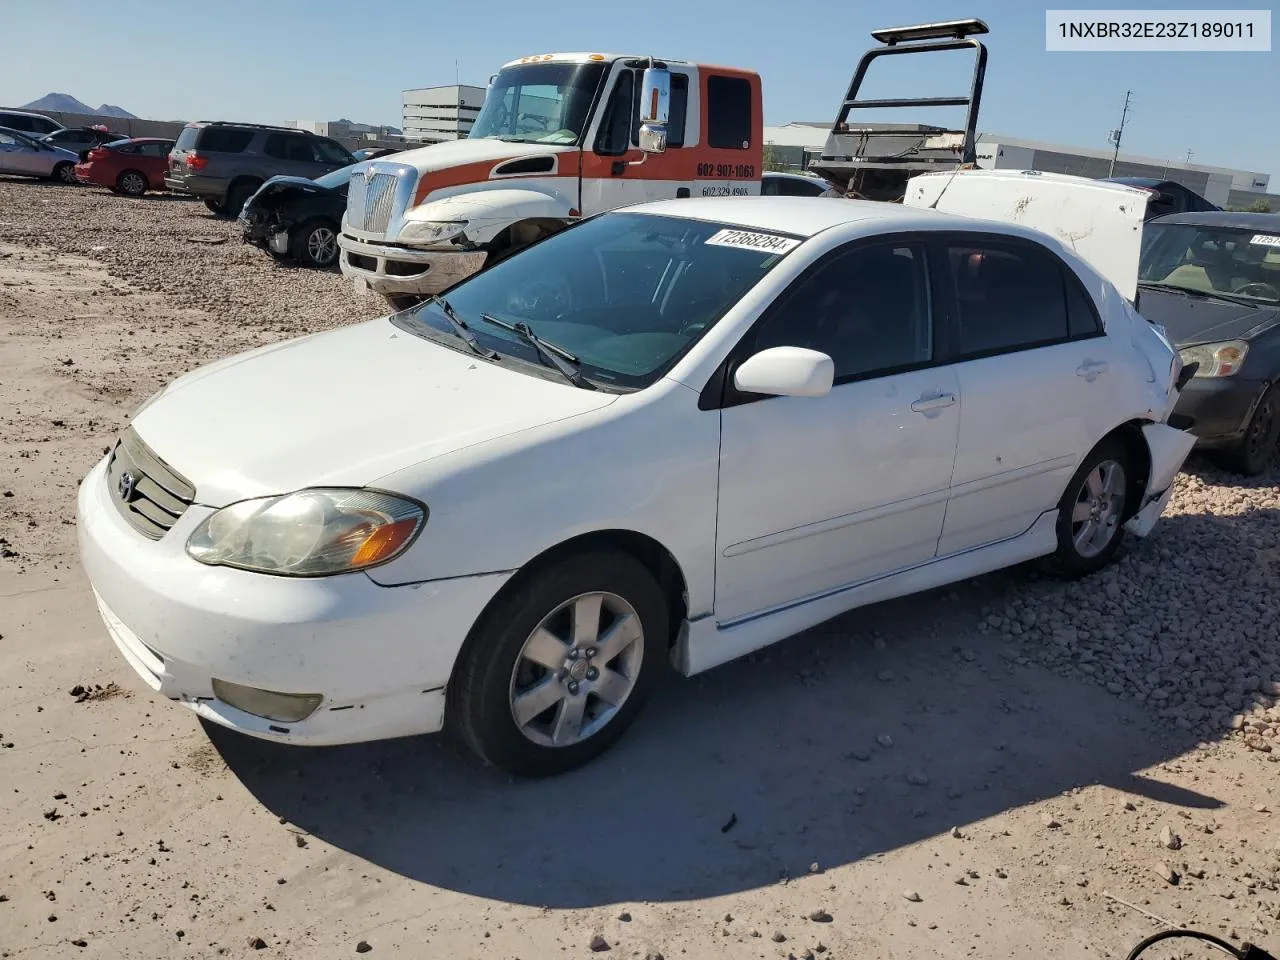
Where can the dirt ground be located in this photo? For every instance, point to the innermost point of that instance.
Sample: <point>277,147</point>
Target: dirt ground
<point>1013,767</point>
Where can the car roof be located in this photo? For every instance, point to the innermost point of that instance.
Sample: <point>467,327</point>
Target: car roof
<point>25,113</point>
<point>808,216</point>
<point>1225,218</point>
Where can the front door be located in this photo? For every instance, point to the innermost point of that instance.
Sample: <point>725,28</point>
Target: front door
<point>819,493</point>
<point>1026,328</point>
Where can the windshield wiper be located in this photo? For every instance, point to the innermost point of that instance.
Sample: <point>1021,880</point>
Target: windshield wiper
<point>460,328</point>
<point>1194,292</point>
<point>550,354</point>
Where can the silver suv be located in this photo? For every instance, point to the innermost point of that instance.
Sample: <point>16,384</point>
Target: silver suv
<point>224,163</point>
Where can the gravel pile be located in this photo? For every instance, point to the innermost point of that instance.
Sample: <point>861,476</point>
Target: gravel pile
<point>1186,621</point>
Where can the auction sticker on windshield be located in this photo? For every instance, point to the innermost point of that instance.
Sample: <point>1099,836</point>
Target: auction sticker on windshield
<point>748,240</point>
<point>1266,239</point>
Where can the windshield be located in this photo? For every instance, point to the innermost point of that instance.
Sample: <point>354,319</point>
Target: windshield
<point>626,294</point>
<point>1228,261</point>
<point>338,178</point>
<point>539,103</point>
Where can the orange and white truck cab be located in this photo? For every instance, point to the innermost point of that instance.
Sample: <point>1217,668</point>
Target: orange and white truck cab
<point>560,137</point>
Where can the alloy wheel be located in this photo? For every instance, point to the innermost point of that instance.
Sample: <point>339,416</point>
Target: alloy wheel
<point>132,183</point>
<point>1095,519</point>
<point>577,669</point>
<point>322,246</point>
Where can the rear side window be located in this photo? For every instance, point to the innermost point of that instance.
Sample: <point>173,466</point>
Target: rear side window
<point>187,138</point>
<point>16,122</point>
<point>729,112</point>
<point>224,139</point>
<point>1013,296</point>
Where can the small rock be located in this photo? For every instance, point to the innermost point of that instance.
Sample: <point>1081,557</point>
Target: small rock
<point>778,937</point>
<point>257,943</point>
<point>917,778</point>
<point>52,814</point>
<point>1169,840</point>
<point>912,896</point>
<point>1001,874</point>
<point>728,918</point>
<point>1262,808</point>
<point>820,916</point>
<point>955,832</point>
<point>363,947</point>
<point>653,955</point>
<point>81,942</point>
<point>79,691</point>
<point>624,916</point>
<point>885,740</point>
<point>1166,873</point>
<point>299,839</point>
<point>599,944</point>
<point>815,868</point>
<point>1128,805</point>
<point>1050,821</point>
<point>962,881</point>
<point>862,755</point>
<point>59,795</point>
<point>884,676</point>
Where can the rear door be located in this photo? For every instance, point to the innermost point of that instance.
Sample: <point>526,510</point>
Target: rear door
<point>1037,377</point>
<point>152,159</point>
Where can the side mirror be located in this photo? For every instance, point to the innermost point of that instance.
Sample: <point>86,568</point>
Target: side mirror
<point>655,109</point>
<point>786,372</point>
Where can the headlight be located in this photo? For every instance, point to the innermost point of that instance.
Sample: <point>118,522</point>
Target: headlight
<point>311,533</point>
<point>423,231</point>
<point>1216,359</point>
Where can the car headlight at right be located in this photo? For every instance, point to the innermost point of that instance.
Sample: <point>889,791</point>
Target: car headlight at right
<point>425,231</point>
<point>311,533</point>
<point>1216,359</point>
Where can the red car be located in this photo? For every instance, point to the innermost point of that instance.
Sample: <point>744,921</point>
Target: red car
<point>127,166</point>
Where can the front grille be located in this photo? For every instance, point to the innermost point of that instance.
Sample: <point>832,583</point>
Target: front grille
<point>370,202</point>
<point>149,493</point>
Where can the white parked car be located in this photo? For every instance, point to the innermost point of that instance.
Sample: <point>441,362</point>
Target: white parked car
<point>676,432</point>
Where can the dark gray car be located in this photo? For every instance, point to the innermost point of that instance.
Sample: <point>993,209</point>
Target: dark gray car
<point>224,163</point>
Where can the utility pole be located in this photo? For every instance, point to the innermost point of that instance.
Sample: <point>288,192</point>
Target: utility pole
<point>1187,160</point>
<point>1118,133</point>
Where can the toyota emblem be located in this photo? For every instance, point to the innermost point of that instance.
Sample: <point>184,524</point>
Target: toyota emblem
<point>126,486</point>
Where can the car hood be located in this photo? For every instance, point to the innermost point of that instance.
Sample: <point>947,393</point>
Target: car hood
<point>459,153</point>
<point>344,408</point>
<point>1191,319</point>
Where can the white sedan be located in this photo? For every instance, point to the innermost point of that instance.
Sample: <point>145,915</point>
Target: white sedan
<point>671,434</point>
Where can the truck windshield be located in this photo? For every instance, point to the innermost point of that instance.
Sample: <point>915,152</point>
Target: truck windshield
<point>624,294</point>
<point>1232,261</point>
<point>539,103</point>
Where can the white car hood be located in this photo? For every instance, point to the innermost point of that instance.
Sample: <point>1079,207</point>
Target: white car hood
<point>341,408</point>
<point>1100,221</point>
<point>459,153</point>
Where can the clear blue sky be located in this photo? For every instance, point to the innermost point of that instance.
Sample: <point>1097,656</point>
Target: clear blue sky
<point>272,60</point>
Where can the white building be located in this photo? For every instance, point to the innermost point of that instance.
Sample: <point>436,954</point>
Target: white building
<point>432,114</point>
<point>797,144</point>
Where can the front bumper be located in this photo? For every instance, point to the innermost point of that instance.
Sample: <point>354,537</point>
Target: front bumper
<point>388,269</point>
<point>271,236</point>
<point>379,656</point>
<point>1220,406</point>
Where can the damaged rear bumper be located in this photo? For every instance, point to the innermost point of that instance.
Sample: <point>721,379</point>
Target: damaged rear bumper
<point>1169,448</point>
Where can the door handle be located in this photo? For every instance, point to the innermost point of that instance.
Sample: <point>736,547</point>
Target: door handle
<point>936,402</point>
<point>1090,369</point>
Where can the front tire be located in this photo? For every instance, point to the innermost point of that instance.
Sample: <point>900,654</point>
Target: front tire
<point>558,667</point>
<point>1092,511</point>
<point>315,244</point>
<point>1255,449</point>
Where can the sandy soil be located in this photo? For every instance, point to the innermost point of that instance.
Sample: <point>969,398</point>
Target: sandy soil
<point>1013,767</point>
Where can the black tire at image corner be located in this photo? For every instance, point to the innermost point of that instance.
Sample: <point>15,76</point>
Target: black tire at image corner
<point>1255,450</point>
<point>479,706</point>
<point>1067,562</point>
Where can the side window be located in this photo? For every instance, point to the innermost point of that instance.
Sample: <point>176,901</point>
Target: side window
<point>276,146</point>
<point>302,150</point>
<point>729,110</point>
<point>225,140</point>
<point>615,128</point>
<point>134,149</point>
<point>868,309</point>
<point>155,149</point>
<point>677,115</point>
<point>1010,296</point>
<point>7,142</point>
<point>770,186</point>
<point>331,152</point>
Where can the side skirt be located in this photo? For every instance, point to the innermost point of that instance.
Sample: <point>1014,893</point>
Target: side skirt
<point>705,643</point>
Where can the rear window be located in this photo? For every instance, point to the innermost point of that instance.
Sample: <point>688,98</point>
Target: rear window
<point>187,138</point>
<point>224,139</point>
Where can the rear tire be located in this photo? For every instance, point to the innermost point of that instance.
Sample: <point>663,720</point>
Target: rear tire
<point>236,197</point>
<point>315,244</point>
<point>573,651</point>
<point>216,206</point>
<point>65,172</point>
<point>132,183</point>
<point>1092,510</point>
<point>1253,452</point>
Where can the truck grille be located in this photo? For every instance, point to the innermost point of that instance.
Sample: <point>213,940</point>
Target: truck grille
<point>370,202</point>
<point>147,491</point>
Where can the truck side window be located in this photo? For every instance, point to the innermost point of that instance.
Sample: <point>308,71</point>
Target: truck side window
<point>678,113</point>
<point>729,110</point>
<point>615,128</point>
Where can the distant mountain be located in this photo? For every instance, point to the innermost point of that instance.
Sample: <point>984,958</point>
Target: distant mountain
<point>66,103</point>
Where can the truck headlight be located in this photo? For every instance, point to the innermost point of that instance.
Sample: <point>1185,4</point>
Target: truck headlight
<point>311,533</point>
<point>1216,359</point>
<point>427,231</point>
